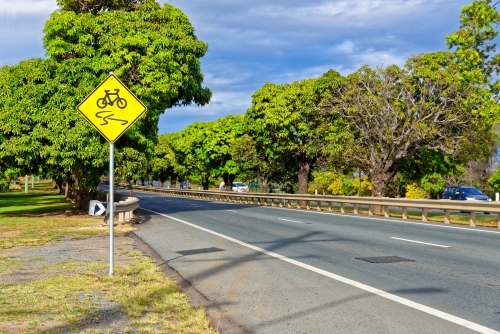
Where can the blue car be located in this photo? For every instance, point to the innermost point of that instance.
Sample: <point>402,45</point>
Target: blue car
<point>465,193</point>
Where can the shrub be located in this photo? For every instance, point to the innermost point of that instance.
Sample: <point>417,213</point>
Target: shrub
<point>414,191</point>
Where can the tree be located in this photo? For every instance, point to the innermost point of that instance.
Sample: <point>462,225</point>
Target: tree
<point>191,152</point>
<point>393,113</point>
<point>225,132</point>
<point>164,163</point>
<point>96,6</point>
<point>151,48</point>
<point>287,121</point>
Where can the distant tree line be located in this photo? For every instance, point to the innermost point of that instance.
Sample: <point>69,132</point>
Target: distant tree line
<point>385,131</point>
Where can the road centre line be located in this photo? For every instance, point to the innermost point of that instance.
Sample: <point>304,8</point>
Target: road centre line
<point>288,220</point>
<point>426,309</point>
<point>420,242</point>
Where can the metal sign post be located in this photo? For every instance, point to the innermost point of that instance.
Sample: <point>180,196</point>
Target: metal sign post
<point>112,109</point>
<point>111,206</point>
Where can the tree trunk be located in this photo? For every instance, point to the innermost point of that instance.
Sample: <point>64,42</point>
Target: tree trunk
<point>381,176</point>
<point>265,181</point>
<point>142,181</point>
<point>228,184</point>
<point>303,168</point>
<point>150,181</point>
<point>160,183</point>
<point>204,183</point>
<point>173,181</point>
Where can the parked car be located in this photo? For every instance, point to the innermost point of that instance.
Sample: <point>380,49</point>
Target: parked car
<point>15,185</point>
<point>239,187</point>
<point>465,193</point>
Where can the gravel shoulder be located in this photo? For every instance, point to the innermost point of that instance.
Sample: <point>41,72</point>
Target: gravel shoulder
<point>108,317</point>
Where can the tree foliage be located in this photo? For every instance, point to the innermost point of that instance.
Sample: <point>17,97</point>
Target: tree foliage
<point>151,48</point>
<point>395,112</point>
<point>287,121</point>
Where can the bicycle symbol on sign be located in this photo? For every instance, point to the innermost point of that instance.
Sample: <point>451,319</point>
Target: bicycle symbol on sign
<point>103,102</point>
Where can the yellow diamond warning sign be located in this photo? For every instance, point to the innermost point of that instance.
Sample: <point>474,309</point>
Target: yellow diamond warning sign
<point>112,108</point>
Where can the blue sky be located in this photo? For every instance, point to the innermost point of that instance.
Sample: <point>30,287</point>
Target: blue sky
<point>254,42</point>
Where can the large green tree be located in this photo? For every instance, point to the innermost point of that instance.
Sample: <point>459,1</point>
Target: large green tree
<point>164,163</point>
<point>396,112</point>
<point>287,121</point>
<point>151,48</point>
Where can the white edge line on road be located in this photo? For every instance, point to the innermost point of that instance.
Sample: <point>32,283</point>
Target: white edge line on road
<point>231,210</point>
<point>288,220</point>
<point>397,299</point>
<point>420,242</point>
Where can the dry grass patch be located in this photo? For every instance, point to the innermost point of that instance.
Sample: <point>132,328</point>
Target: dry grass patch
<point>76,296</point>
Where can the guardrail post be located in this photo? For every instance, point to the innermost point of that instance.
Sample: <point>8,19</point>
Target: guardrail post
<point>289,204</point>
<point>308,206</point>
<point>386,211</point>
<point>356,209</point>
<point>281,203</point>
<point>318,205</point>
<point>499,220</point>
<point>424,215</point>
<point>342,207</point>
<point>472,219</point>
<point>447,216</point>
<point>370,211</point>
<point>405,212</point>
<point>330,206</point>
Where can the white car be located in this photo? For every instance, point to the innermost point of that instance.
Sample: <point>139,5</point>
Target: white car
<point>239,187</point>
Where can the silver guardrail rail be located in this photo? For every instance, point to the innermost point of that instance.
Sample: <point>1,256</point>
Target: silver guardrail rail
<point>292,201</point>
<point>124,206</point>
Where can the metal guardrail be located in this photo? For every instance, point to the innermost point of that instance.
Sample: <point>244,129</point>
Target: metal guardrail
<point>124,205</point>
<point>293,200</point>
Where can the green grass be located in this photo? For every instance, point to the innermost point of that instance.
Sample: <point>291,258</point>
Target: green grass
<point>40,199</point>
<point>62,296</point>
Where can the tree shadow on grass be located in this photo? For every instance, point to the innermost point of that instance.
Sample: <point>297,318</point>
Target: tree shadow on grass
<point>65,210</point>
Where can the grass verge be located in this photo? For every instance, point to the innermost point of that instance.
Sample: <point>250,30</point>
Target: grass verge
<point>60,294</point>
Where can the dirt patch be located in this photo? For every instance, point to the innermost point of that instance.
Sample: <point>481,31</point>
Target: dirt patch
<point>31,264</point>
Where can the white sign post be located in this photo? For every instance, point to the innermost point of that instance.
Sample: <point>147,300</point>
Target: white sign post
<point>111,206</point>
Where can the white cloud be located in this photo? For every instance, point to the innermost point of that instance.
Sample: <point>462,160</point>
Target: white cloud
<point>345,47</point>
<point>11,9</point>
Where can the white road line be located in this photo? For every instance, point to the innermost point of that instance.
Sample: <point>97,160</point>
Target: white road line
<point>293,221</point>
<point>231,210</point>
<point>394,220</point>
<point>420,242</point>
<point>381,293</point>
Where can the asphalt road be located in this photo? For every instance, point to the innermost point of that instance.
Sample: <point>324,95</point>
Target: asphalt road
<point>293,271</point>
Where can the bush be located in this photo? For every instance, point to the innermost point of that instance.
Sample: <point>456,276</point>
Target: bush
<point>433,184</point>
<point>414,191</point>
<point>366,186</point>
<point>321,181</point>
